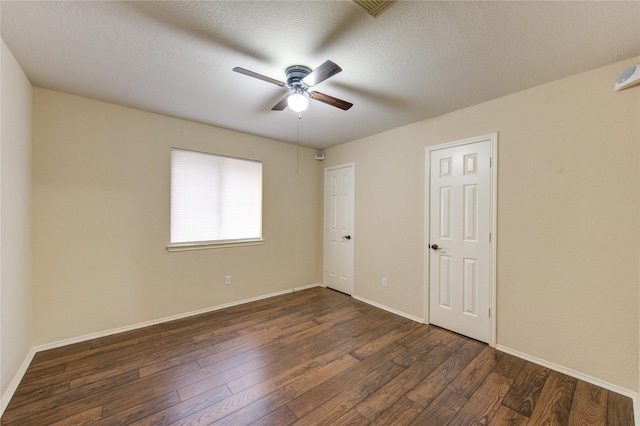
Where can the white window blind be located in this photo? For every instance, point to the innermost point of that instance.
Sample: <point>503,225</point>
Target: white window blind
<point>214,198</point>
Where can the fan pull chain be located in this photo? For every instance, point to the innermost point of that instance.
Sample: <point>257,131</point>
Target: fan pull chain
<point>298,143</point>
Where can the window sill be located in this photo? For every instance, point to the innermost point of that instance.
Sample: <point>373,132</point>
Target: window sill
<point>213,245</point>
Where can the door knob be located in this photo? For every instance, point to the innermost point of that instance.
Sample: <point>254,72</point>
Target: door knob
<point>347,237</point>
<point>434,246</point>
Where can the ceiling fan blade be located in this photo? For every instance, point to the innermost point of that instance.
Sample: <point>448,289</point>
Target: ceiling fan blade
<point>281,105</point>
<point>258,76</point>
<point>338,103</point>
<point>321,73</point>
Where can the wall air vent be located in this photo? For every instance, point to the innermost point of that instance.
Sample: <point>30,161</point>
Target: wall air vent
<point>375,7</point>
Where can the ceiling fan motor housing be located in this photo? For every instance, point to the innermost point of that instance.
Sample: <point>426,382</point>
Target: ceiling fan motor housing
<point>295,74</point>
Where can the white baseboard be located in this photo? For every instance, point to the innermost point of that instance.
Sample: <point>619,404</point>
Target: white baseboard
<point>8,394</point>
<point>580,376</point>
<point>388,309</point>
<point>105,333</point>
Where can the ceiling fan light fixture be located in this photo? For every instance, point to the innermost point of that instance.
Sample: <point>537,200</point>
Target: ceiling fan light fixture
<point>299,80</point>
<point>298,102</point>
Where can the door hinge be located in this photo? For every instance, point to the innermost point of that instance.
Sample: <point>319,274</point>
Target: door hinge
<point>489,236</point>
<point>489,312</point>
<point>490,162</point>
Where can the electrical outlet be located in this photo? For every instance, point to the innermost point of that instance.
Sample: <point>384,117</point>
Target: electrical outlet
<point>227,280</point>
<point>384,282</point>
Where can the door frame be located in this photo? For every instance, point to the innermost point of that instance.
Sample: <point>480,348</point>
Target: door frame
<point>493,139</point>
<point>352,165</point>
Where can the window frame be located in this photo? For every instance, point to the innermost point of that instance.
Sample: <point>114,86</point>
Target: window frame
<point>222,243</point>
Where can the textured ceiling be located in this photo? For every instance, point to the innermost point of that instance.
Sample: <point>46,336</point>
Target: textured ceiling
<point>417,60</point>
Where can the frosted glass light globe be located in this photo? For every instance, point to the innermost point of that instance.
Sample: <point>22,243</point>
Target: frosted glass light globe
<point>297,102</point>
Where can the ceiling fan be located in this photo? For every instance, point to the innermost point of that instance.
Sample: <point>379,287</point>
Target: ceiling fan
<point>300,79</point>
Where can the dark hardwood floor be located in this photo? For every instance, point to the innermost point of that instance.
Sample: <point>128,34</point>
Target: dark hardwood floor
<point>307,358</point>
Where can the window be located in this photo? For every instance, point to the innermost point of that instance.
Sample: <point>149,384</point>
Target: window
<point>214,199</point>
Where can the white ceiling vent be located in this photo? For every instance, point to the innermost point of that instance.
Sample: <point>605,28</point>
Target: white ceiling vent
<point>375,7</point>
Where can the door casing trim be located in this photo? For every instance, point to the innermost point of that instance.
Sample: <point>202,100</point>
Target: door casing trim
<point>493,139</point>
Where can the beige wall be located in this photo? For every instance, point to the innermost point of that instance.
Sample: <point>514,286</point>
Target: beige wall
<point>568,228</point>
<point>15,215</point>
<point>101,188</point>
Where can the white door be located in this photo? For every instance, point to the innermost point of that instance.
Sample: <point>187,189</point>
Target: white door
<point>339,200</point>
<point>461,221</point>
